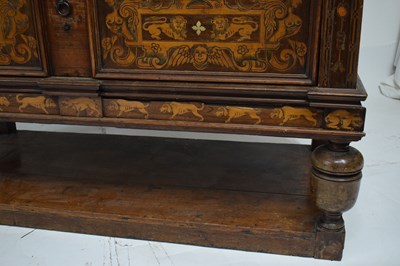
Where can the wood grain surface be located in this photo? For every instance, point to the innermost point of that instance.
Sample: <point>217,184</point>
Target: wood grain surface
<point>219,194</point>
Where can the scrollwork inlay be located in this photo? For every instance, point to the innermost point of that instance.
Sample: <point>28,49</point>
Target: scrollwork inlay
<point>16,45</point>
<point>140,37</point>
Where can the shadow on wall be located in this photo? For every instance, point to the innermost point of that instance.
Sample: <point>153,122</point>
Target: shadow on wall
<point>391,86</point>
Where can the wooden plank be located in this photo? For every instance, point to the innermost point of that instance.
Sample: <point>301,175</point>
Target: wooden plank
<point>279,131</point>
<point>217,194</point>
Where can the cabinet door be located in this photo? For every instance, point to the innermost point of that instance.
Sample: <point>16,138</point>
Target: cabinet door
<point>21,43</point>
<point>265,41</point>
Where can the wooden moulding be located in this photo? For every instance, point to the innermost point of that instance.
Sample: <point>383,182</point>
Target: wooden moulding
<point>321,120</point>
<point>208,193</point>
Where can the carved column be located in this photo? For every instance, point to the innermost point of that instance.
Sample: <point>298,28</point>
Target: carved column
<point>336,177</point>
<point>7,128</point>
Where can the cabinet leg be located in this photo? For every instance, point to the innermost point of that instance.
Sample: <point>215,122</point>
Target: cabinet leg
<point>336,177</point>
<point>317,142</point>
<point>7,128</point>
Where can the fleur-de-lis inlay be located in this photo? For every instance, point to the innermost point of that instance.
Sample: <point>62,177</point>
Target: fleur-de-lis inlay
<point>198,28</point>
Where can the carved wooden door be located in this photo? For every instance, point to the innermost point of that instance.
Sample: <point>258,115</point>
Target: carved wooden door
<point>21,42</point>
<point>269,41</point>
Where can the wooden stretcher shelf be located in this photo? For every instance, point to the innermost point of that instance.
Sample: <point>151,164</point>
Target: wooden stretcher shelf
<point>210,193</point>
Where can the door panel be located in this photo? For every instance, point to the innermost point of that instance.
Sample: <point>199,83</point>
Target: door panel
<point>21,42</point>
<point>270,41</point>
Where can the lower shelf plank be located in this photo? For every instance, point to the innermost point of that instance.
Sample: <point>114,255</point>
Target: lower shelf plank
<point>245,196</point>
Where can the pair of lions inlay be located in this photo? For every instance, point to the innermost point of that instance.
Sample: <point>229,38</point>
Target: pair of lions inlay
<point>175,108</point>
<point>222,27</point>
<point>339,119</point>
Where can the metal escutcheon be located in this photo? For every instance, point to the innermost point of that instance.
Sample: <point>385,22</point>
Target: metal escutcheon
<point>64,8</point>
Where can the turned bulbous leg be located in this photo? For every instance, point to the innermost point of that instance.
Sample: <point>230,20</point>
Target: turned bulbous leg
<point>336,177</point>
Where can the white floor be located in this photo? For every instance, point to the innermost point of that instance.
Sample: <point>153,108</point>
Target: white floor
<point>373,225</point>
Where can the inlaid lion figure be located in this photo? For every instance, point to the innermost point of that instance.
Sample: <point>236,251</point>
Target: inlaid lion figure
<point>39,102</point>
<point>342,119</point>
<point>224,29</point>
<point>290,113</point>
<point>4,102</point>
<point>182,108</point>
<point>82,104</point>
<point>175,29</point>
<point>124,106</point>
<point>237,112</point>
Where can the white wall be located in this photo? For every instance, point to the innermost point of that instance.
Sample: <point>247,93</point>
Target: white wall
<point>379,38</point>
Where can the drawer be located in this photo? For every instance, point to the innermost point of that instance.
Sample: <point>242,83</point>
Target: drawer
<point>269,41</point>
<point>22,52</point>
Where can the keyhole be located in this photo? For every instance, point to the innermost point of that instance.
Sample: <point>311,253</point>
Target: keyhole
<point>67,27</point>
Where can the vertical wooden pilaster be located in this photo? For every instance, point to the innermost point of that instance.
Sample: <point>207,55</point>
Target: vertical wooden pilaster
<point>340,43</point>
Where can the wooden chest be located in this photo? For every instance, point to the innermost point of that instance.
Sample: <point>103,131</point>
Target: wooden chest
<point>270,67</point>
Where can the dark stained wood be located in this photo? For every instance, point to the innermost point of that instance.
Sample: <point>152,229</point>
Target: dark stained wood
<point>22,41</point>
<point>284,68</point>
<point>210,92</point>
<point>336,178</point>
<point>7,128</point>
<point>338,95</point>
<point>70,86</point>
<point>206,164</point>
<point>277,131</point>
<point>341,29</point>
<point>85,103</point>
<point>316,143</point>
<point>329,245</point>
<point>68,40</point>
<point>219,194</point>
<point>269,54</point>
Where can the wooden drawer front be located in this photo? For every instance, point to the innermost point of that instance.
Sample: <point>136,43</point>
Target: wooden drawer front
<point>271,41</point>
<point>21,42</point>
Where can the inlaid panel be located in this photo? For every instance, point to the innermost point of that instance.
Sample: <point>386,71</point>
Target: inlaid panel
<point>198,40</point>
<point>21,43</point>
<point>28,104</point>
<point>80,106</point>
<point>287,116</point>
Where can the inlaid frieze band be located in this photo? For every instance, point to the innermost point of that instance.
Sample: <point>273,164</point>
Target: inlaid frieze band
<point>280,116</point>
